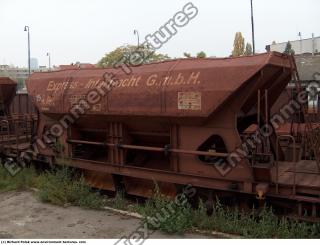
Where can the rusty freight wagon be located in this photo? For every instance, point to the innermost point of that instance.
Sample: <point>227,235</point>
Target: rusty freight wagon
<point>18,118</point>
<point>7,93</point>
<point>179,122</point>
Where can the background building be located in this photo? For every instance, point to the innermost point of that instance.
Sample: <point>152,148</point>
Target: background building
<point>19,74</point>
<point>34,63</point>
<point>309,73</point>
<point>304,46</point>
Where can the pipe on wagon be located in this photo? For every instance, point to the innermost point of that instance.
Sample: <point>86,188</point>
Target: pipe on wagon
<point>149,148</point>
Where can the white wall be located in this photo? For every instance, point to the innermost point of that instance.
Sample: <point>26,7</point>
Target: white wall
<point>305,45</point>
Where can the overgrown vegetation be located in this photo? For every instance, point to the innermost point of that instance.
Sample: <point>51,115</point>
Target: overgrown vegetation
<point>169,217</point>
<point>65,187</point>
<point>25,179</point>
<point>263,225</point>
<point>61,186</point>
<point>119,201</point>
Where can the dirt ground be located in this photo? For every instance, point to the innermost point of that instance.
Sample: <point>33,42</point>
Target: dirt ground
<point>23,216</point>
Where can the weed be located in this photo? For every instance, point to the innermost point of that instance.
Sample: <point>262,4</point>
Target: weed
<point>164,214</point>
<point>63,186</point>
<point>25,179</point>
<point>265,224</point>
<point>119,200</point>
<point>161,212</point>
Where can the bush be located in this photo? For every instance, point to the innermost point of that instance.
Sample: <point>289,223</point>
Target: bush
<point>64,187</point>
<point>265,224</point>
<point>161,212</point>
<point>60,186</point>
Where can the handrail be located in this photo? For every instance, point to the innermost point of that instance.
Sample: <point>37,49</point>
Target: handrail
<point>7,127</point>
<point>149,148</point>
<point>19,128</point>
<point>6,122</point>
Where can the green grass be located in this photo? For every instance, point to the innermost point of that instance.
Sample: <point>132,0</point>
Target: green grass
<point>169,217</point>
<point>60,186</point>
<point>162,213</point>
<point>65,187</point>
<point>119,201</point>
<point>24,179</point>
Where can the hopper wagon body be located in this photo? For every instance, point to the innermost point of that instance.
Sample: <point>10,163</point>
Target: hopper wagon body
<point>173,123</point>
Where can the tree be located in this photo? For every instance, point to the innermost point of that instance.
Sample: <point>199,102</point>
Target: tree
<point>201,54</point>
<point>187,55</point>
<point>248,50</point>
<point>238,45</point>
<point>289,50</point>
<point>131,55</point>
<point>20,83</point>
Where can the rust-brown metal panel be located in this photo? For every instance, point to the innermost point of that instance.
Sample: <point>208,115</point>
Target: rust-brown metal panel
<point>202,97</point>
<point>22,104</point>
<point>176,88</point>
<point>7,90</point>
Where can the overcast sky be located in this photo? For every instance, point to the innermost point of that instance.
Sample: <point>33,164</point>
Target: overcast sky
<point>83,30</point>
